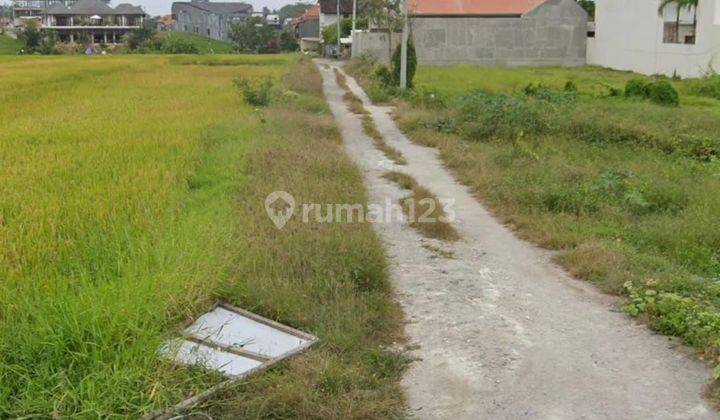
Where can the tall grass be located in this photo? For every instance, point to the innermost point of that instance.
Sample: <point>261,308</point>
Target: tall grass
<point>124,211</point>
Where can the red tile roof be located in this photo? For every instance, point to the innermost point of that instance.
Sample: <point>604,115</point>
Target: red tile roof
<point>312,13</point>
<point>472,7</point>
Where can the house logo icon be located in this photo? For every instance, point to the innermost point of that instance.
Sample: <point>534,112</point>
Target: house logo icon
<point>280,207</point>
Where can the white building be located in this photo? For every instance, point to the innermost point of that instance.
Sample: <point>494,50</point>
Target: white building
<point>631,35</point>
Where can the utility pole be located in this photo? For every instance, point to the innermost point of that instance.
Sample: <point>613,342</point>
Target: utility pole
<point>338,25</point>
<point>404,47</point>
<point>354,14</point>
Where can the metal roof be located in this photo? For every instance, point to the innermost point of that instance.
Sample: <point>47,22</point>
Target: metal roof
<point>215,7</point>
<point>473,7</point>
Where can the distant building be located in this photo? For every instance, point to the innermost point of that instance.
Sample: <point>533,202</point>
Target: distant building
<point>93,20</point>
<point>307,28</point>
<point>273,21</point>
<point>209,19</point>
<point>633,35</point>
<point>165,23</point>
<point>329,9</point>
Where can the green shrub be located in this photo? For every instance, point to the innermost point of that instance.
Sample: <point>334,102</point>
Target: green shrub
<point>255,92</point>
<point>637,87</point>
<point>661,92</point>
<point>546,93</point>
<point>383,75</point>
<point>176,45</point>
<point>708,86</point>
<point>486,116</point>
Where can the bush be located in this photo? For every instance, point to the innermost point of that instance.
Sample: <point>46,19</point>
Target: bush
<point>661,92</point>
<point>486,116</point>
<point>708,86</point>
<point>175,45</point>
<point>570,86</point>
<point>637,87</point>
<point>384,75</point>
<point>255,92</point>
<point>545,93</point>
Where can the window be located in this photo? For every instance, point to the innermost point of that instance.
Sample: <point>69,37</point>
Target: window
<point>208,31</point>
<point>679,24</point>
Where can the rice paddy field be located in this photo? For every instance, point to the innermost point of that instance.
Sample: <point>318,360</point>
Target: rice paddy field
<point>132,197</point>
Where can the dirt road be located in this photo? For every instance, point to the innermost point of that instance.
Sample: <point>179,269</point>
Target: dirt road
<point>502,331</point>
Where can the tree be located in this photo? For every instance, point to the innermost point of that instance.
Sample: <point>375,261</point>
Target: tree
<point>292,11</point>
<point>589,6</point>
<point>253,36</point>
<point>287,42</point>
<point>411,63</point>
<point>383,14</point>
<point>31,35</point>
<point>137,37</point>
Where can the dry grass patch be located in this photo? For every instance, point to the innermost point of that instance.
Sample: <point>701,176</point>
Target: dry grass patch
<point>371,130</point>
<point>424,209</point>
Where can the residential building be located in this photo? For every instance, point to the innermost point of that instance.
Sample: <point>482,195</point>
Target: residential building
<point>33,9</point>
<point>634,35</point>
<point>329,9</point>
<point>307,28</point>
<point>165,23</point>
<point>209,19</point>
<point>489,33</point>
<point>93,20</point>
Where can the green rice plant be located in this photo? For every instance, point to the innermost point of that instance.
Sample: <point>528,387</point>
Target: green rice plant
<point>126,218</point>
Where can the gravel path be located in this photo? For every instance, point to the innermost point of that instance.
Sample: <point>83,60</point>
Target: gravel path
<point>502,331</point>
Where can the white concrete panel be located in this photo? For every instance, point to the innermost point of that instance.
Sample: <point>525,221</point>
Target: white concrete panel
<point>233,330</point>
<point>191,353</point>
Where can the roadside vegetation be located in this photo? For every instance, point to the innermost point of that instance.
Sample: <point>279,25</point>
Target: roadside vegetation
<point>423,208</point>
<point>390,152</point>
<point>620,173</point>
<point>128,217</point>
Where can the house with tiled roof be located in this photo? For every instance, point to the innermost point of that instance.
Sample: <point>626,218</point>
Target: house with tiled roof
<point>307,25</point>
<point>209,19</point>
<point>491,33</point>
<point>94,20</point>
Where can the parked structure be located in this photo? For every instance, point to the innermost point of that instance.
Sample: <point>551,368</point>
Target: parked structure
<point>490,33</point>
<point>207,18</point>
<point>93,20</point>
<point>633,35</point>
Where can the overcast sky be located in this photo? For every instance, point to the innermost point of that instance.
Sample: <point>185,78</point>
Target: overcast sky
<point>162,7</point>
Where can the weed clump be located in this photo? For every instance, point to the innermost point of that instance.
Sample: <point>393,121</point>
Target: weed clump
<point>256,93</point>
<point>424,210</point>
<point>660,92</point>
<point>637,87</point>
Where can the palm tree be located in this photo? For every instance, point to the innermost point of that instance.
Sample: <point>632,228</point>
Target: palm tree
<point>681,4</point>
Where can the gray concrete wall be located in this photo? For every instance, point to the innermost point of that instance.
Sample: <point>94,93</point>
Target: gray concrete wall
<point>555,33</point>
<point>375,44</point>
